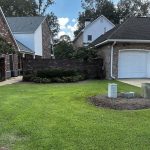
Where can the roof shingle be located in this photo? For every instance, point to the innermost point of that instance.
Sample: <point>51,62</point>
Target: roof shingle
<point>24,24</point>
<point>24,48</point>
<point>135,28</point>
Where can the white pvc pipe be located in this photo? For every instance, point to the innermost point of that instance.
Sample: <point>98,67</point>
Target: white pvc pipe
<point>112,53</point>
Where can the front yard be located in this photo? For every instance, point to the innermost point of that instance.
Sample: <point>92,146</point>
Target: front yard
<point>59,116</point>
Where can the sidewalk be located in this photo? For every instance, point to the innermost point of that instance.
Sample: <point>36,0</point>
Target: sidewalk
<point>11,81</point>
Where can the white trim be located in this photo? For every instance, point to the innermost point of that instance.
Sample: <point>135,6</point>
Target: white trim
<point>26,52</point>
<point>129,40</point>
<point>112,58</point>
<point>122,40</point>
<point>104,42</point>
<point>143,50</point>
<point>9,29</point>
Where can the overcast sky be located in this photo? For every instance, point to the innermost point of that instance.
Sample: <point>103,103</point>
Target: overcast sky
<point>67,12</point>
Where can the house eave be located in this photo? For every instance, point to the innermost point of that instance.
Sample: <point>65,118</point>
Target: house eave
<point>122,41</point>
<point>23,32</point>
<point>25,52</point>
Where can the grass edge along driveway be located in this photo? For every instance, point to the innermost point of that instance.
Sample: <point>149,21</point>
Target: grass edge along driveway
<point>59,116</point>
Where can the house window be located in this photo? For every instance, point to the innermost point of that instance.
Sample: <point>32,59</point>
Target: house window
<point>89,37</point>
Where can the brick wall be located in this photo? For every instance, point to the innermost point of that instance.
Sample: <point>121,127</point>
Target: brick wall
<point>6,34</point>
<point>78,42</point>
<point>93,70</point>
<point>46,35</point>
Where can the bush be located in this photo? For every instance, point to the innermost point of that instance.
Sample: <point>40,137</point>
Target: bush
<point>41,80</point>
<point>56,73</point>
<point>54,76</point>
<point>28,77</point>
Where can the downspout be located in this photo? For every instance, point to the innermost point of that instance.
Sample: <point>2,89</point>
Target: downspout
<point>112,58</point>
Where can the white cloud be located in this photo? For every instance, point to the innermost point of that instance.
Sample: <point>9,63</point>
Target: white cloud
<point>74,20</point>
<point>63,22</point>
<point>67,27</point>
<point>72,28</point>
<point>61,33</point>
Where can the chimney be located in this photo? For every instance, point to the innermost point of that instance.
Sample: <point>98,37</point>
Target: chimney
<point>87,22</point>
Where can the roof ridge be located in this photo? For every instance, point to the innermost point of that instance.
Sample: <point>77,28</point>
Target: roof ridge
<point>23,16</point>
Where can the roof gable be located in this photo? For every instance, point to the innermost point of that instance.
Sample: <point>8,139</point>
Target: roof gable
<point>25,24</point>
<point>135,28</point>
<point>89,25</point>
<point>96,20</point>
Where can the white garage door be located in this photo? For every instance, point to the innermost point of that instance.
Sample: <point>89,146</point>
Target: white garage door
<point>133,64</point>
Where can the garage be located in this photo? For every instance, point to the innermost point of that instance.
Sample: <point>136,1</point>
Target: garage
<point>134,64</point>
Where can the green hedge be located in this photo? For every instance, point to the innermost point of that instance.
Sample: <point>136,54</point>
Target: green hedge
<point>54,73</point>
<point>54,76</point>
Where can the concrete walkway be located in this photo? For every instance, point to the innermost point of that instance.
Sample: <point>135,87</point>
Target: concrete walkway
<point>135,82</point>
<point>11,81</point>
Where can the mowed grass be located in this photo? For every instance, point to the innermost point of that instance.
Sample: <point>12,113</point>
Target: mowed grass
<point>59,117</point>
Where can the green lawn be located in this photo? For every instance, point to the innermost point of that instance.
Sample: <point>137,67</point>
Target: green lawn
<point>59,117</point>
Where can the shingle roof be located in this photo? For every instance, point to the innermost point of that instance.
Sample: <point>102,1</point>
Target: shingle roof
<point>23,48</point>
<point>104,37</point>
<point>135,28</point>
<point>24,24</point>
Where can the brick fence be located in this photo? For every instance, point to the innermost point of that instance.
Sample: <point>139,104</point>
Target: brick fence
<point>92,70</point>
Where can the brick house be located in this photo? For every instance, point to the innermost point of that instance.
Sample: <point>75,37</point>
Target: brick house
<point>126,49</point>
<point>33,35</point>
<point>29,36</point>
<point>8,62</point>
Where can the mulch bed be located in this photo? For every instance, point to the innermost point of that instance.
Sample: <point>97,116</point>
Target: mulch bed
<point>120,103</point>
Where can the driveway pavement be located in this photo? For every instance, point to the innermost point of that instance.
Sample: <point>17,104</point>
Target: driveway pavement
<point>11,81</point>
<point>135,82</point>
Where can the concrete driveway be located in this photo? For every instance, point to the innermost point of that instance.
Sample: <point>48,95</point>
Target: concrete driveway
<point>135,82</point>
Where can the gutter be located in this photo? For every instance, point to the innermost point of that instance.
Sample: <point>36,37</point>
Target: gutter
<point>102,43</point>
<point>112,57</point>
<point>123,40</point>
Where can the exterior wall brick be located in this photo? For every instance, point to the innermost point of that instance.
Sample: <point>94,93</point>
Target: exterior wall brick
<point>92,70</point>
<point>46,40</point>
<point>6,34</point>
<point>78,42</point>
<point>105,53</point>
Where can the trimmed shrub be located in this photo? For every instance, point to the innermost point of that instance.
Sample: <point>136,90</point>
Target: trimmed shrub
<point>41,80</point>
<point>28,78</point>
<point>54,76</point>
<point>54,73</point>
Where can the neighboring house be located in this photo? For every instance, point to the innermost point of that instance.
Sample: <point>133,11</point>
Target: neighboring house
<point>32,34</point>
<point>92,31</point>
<point>8,62</point>
<point>126,49</point>
<point>30,37</point>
